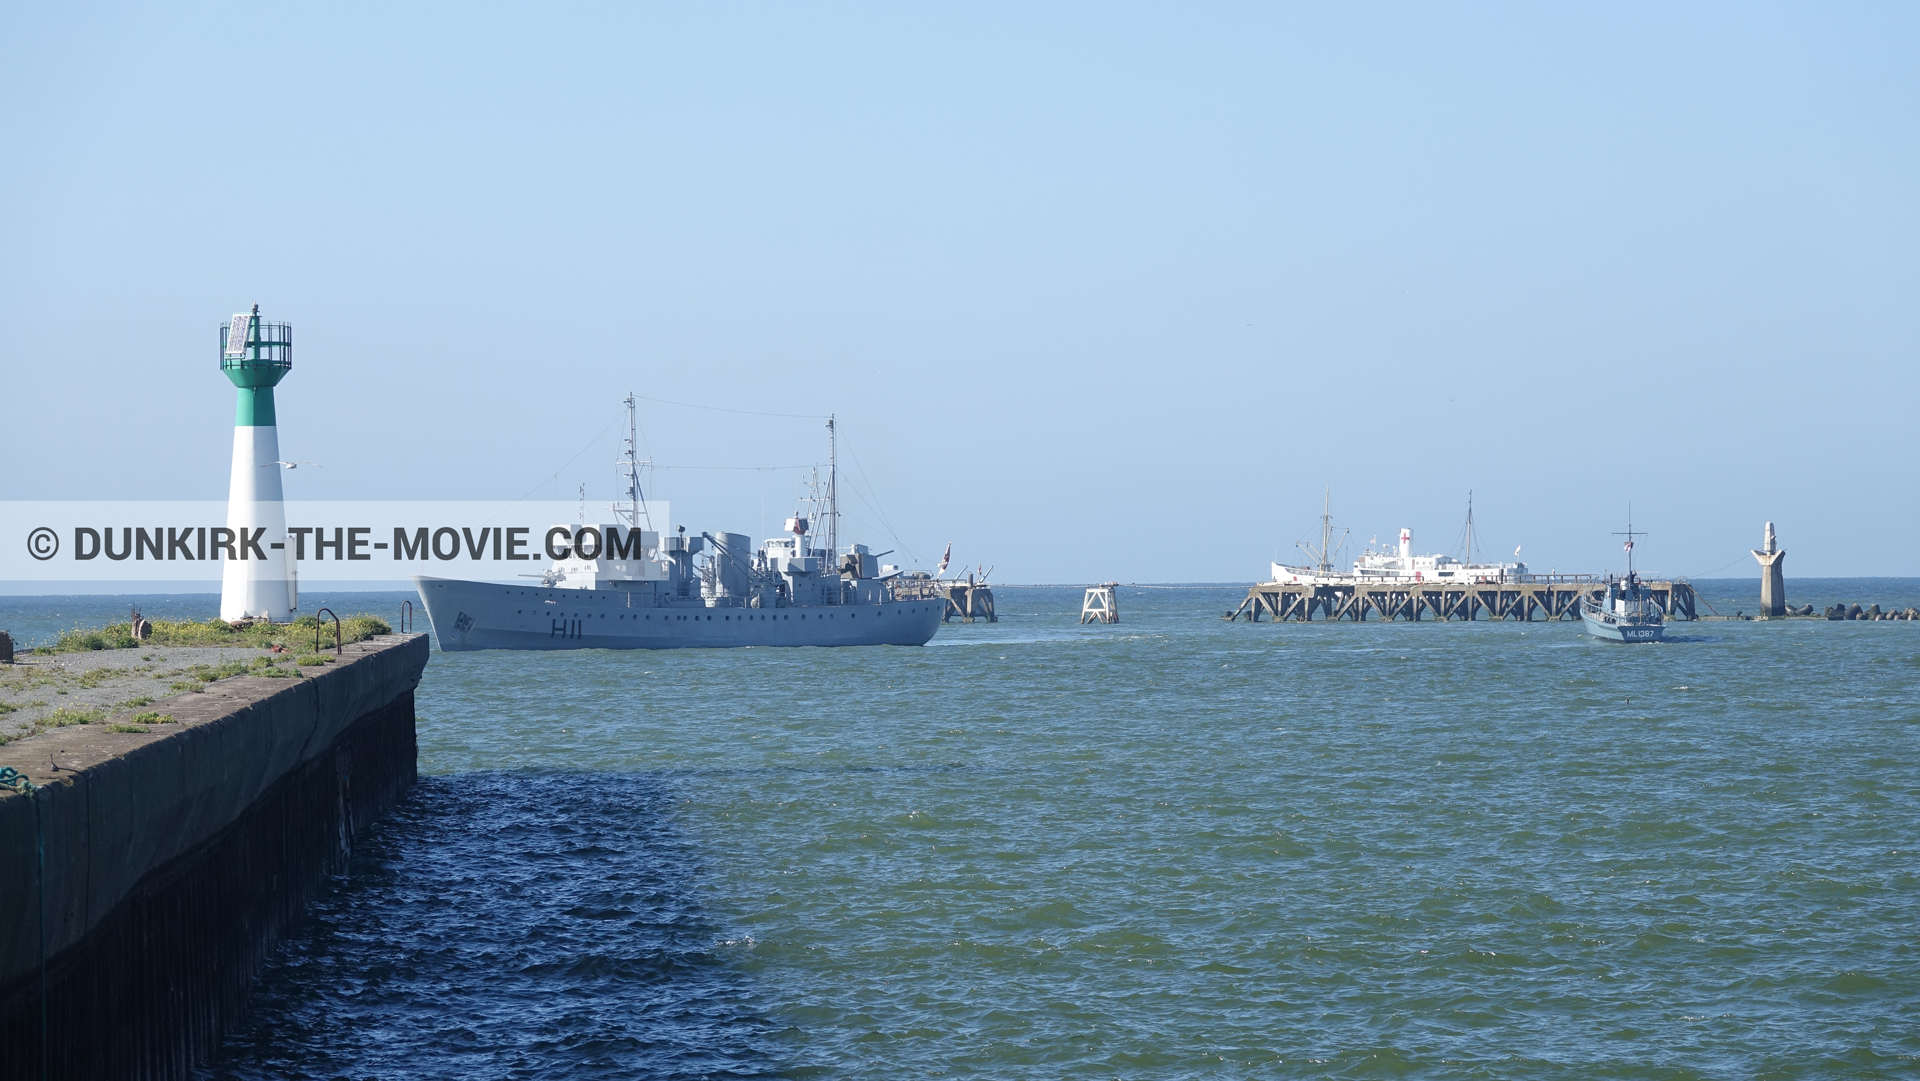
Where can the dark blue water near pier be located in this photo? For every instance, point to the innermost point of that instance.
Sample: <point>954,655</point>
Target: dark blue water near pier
<point>513,925</point>
<point>1170,848</point>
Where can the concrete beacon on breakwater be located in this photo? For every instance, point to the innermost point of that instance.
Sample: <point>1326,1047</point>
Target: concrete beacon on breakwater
<point>1773,576</point>
<point>258,581</point>
<point>144,877</point>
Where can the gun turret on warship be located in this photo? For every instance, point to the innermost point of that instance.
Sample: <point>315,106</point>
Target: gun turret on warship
<point>620,585</point>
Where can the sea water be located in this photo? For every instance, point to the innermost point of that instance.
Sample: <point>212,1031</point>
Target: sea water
<point>1173,847</point>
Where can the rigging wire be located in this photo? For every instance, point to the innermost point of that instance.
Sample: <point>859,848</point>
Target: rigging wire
<point>1715,570</point>
<point>1466,537</point>
<point>864,522</point>
<point>743,468</point>
<point>874,502</point>
<point>722,409</point>
<point>867,497</point>
<point>641,431</point>
<point>563,467</point>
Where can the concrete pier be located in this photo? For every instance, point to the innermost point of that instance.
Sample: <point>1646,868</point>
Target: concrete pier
<point>168,863</point>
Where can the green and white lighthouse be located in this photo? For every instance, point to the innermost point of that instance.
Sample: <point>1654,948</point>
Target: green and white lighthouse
<point>258,581</point>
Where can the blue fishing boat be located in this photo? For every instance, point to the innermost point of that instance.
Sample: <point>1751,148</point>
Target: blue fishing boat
<point>1627,611</point>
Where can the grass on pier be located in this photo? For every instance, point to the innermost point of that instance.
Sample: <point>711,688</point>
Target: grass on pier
<point>215,632</point>
<point>191,679</point>
<point>295,640</point>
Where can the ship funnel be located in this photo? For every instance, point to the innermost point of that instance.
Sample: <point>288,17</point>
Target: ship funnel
<point>1406,545</point>
<point>732,564</point>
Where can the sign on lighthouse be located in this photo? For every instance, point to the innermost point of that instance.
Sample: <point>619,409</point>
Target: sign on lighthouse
<point>259,582</point>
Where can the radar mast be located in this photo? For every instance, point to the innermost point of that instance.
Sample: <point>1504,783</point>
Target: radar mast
<point>1630,534</point>
<point>833,491</point>
<point>636,509</point>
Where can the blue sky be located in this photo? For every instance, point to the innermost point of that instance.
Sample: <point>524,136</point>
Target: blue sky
<point>1096,291</point>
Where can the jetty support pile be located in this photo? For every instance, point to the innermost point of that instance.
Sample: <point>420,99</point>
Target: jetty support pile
<point>967,601</point>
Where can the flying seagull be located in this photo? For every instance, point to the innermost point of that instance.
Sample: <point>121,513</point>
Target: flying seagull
<point>296,465</point>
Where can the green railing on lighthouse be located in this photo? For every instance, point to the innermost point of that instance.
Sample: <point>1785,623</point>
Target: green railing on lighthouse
<point>255,356</point>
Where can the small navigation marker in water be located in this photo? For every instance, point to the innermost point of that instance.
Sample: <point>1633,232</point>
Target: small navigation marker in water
<point>1102,604</point>
<point>1773,576</point>
<point>257,581</point>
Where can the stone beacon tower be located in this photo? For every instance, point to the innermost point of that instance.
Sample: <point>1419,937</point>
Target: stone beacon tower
<point>258,580</point>
<point>1773,578</point>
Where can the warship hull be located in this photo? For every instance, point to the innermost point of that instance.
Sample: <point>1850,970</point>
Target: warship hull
<point>483,615</point>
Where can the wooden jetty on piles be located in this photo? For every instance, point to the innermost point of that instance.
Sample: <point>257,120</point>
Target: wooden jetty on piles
<point>1520,597</point>
<point>966,601</point>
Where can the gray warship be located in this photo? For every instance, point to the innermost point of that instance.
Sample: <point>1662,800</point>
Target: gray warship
<point>620,585</point>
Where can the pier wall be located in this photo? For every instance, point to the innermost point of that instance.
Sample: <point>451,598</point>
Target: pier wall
<point>173,861</point>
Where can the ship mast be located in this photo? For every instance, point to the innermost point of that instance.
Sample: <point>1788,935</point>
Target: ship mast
<point>833,492</point>
<point>1326,533</point>
<point>630,469</point>
<point>1323,560</point>
<point>1629,534</point>
<point>1466,556</point>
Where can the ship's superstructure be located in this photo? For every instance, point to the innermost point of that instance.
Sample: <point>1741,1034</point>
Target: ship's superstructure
<point>1383,564</point>
<point>1386,564</point>
<point>621,585</point>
